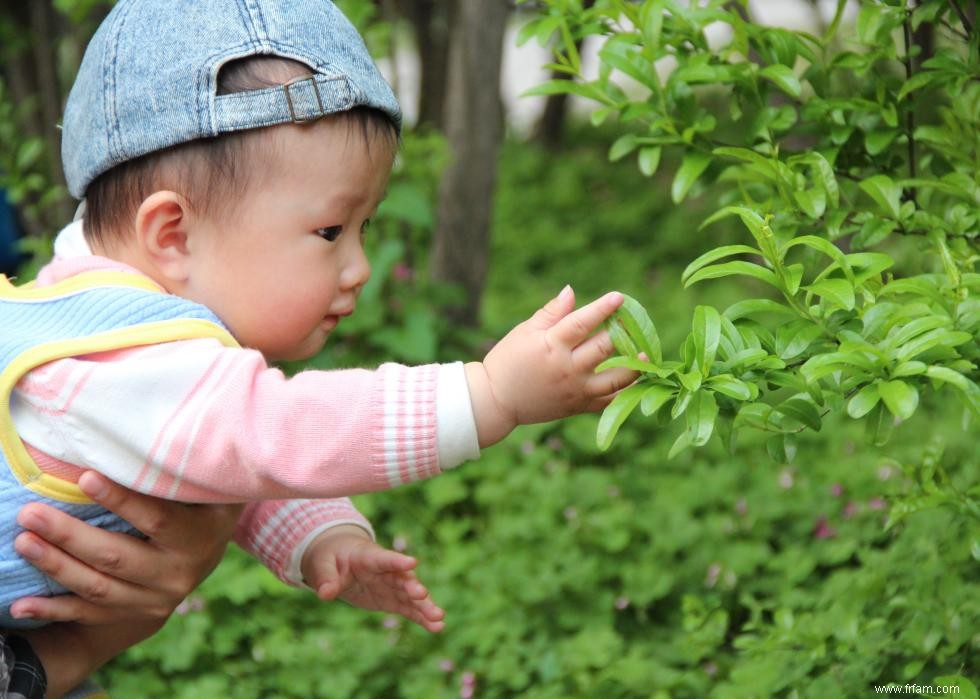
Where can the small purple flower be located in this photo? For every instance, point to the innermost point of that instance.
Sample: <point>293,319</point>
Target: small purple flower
<point>190,604</point>
<point>400,544</point>
<point>877,504</point>
<point>711,577</point>
<point>402,272</point>
<point>742,506</point>
<point>836,490</point>
<point>570,513</point>
<point>786,479</point>
<point>555,443</point>
<point>447,665</point>
<point>823,530</point>
<point>527,447</point>
<point>885,471</point>
<point>710,668</point>
<point>851,509</point>
<point>391,622</point>
<point>467,685</point>
<point>622,602</point>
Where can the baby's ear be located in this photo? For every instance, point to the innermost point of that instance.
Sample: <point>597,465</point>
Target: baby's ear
<point>163,226</point>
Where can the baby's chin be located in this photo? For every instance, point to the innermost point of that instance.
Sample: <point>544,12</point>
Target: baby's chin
<point>307,350</point>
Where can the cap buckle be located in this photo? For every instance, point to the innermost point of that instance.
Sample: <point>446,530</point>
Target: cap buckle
<point>289,98</point>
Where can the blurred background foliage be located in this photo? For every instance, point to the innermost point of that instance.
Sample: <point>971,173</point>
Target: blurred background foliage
<point>565,571</point>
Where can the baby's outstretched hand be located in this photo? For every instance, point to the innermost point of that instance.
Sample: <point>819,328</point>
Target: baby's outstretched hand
<point>544,369</point>
<point>344,563</point>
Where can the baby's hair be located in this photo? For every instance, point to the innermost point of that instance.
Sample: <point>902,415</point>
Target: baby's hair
<point>210,173</point>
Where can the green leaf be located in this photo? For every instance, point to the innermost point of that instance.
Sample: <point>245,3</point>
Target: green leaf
<point>707,333</point>
<point>837,291</point>
<point>802,411</point>
<point>863,401</point>
<point>969,391</point>
<point>728,385</point>
<point>793,339</point>
<point>627,362</point>
<point>899,397</point>
<point>682,442</point>
<point>901,334</point>
<point>781,448</point>
<point>873,232</point>
<point>825,172</point>
<point>877,141</point>
<point>640,328</point>
<point>692,167</point>
<point>649,160</point>
<point>826,247</point>
<point>701,417</point>
<point>750,307</point>
<point>967,690</point>
<point>620,338</point>
<point>820,365</point>
<point>29,153</point>
<point>717,254</point>
<point>880,425</point>
<point>730,268</point>
<point>813,202</point>
<point>622,146</point>
<point>930,340</point>
<point>652,22</point>
<point>655,397</point>
<point>617,412</point>
<point>912,368</point>
<point>784,78</point>
<point>690,380</point>
<point>566,87</point>
<point>885,193</point>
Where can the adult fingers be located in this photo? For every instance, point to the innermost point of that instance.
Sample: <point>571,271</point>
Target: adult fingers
<point>68,544</point>
<point>575,327</point>
<point>169,524</point>
<point>71,608</point>
<point>89,584</point>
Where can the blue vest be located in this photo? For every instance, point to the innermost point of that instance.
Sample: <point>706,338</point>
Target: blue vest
<point>91,312</point>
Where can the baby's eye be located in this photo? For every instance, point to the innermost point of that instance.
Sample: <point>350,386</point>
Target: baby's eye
<point>330,233</point>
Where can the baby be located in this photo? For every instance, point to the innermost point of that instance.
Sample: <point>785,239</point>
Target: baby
<point>231,156</point>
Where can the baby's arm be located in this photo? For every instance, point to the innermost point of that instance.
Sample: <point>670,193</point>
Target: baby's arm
<point>544,369</point>
<point>345,563</point>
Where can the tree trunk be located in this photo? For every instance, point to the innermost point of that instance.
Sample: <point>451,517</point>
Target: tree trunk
<point>431,21</point>
<point>474,127</point>
<point>550,127</point>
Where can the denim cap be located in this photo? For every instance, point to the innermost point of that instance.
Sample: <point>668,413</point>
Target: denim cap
<point>149,77</point>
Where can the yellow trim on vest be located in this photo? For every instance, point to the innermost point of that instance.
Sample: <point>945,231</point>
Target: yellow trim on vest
<point>21,463</point>
<point>73,285</point>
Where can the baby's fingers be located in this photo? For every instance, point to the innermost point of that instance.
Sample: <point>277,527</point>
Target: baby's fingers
<point>608,382</point>
<point>575,328</point>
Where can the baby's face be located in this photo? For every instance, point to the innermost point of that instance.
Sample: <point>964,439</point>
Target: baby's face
<point>289,265</point>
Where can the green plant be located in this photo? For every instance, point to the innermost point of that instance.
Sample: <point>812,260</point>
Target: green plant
<point>835,146</point>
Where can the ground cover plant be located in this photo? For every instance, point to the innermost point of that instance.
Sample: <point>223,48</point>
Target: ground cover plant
<point>787,562</point>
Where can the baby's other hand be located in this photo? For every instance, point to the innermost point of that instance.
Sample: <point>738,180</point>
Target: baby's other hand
<point>544,369</point>
<point>344,563</point>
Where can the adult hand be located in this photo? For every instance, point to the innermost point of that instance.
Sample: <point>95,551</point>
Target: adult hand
<point>116,577</point>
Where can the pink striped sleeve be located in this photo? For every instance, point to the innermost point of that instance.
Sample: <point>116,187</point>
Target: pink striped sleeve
<point>197,422</point>
<point>277,532</point>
